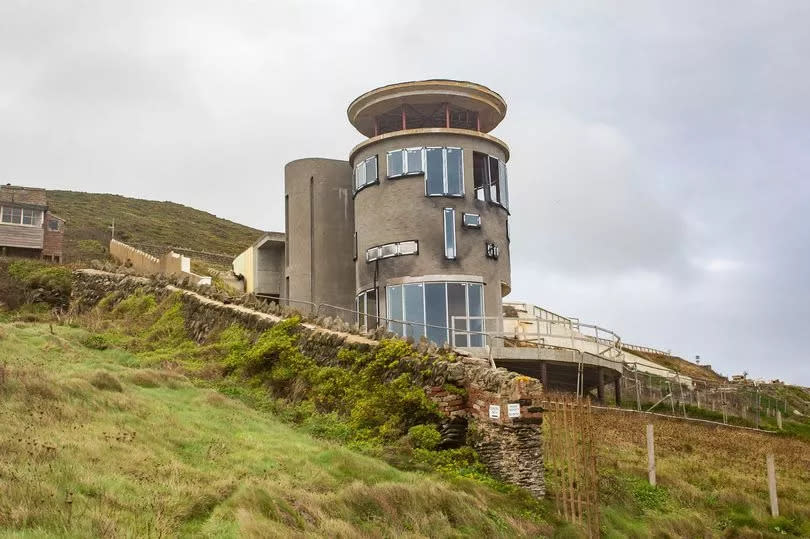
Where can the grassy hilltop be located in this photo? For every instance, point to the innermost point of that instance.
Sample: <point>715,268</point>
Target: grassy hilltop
<point>143,222</point>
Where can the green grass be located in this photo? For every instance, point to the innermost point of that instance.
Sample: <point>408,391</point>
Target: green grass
<point>93,445</point>
<point>160,224</point>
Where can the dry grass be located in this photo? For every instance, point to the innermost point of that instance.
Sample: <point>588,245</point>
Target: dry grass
<point>157,461</point>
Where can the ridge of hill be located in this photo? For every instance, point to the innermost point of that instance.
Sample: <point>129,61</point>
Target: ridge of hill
<point>150,225</point>
<point>680,365</point>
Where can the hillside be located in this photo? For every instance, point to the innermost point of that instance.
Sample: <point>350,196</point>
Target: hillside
<point>148,224</point>
<point>681,366</point>
<point>91,445</point>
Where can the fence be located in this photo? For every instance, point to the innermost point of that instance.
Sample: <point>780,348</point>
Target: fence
<point>570,460</point>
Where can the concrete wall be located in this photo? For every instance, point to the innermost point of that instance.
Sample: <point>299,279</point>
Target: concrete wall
<point>398,210</point>
<point>145,264</point>
<point>319,225</point>
<point>244,265</point>
<point>270,269</point>
<point>139,261</point>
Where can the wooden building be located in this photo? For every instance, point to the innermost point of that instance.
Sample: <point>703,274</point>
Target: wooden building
<point>27,227</point>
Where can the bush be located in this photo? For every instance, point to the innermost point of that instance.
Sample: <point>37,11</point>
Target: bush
<point>106,382</point>
<point>95,341</point>
<point>424,436</point>
<point>43,282</point>
<point>90,249</point>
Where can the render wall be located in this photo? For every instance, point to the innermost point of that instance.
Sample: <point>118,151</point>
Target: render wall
<point>398,210</point>
<point>319,225</point>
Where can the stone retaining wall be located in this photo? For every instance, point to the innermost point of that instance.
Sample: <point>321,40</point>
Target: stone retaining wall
<point>466,389</point>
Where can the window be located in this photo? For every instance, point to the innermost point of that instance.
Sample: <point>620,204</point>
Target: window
<point>444,172</point>
<point>471,220</point>
<point>366,307</point>
<point>405,162</point>
<point>354,247</point>
<point>20,216</point>
<point>392,249</point>
<point>365,173</point>
<point>53,225</point>
<point>440,311</point>
<point>489,179</point>
<point>449,233</point>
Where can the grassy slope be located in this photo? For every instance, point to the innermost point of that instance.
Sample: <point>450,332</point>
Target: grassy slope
<point>151,222</point>
<point>163,458</point>
<point>681,365</point>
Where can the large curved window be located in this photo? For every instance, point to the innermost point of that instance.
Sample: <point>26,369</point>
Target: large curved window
<point>440,311</point>
<point>443,168</point>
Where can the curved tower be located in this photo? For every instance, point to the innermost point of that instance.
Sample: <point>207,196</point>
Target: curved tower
<point>431,209</point>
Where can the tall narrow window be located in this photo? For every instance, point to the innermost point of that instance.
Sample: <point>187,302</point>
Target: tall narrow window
<point>395,311</point>
<point>475,303</point>
<point>414,310</point>
<point>503,183</point>
<point>481,176</point>
<point>450,233</point>
<point>354,247</point>
<point>494,184</point>
<point>455,174</point>
<point>434,179</point>
<point>436,312</point>
<point>457,311</point>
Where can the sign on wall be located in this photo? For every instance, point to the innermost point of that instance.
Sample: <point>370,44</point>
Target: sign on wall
<point>513,409</point>
<point>494,411</point>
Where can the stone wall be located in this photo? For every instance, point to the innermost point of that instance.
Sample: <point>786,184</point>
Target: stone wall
<point>467,390</point>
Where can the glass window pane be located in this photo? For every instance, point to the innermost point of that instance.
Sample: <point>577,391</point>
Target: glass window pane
<point>449,233</point>
<point>359,172</point>
<point>395,163</point>
<point>361,311</point>
<point>436,312</point>
<point>476,325</point>
<point>435,171</point>
<point>389,249</point>
<point>476,295</point>
<point>414,160</point>
<point>371,309</point>
<point>408,248</point>
<point>472,220</point>
<point>494,184</point>
<point>394,301</point>
<point>27,217</point>
<point>414,310</point>
<point>480,175</point>
<point>371,170</point>
<point>455,174</point>
<point>504,187</point>
<point>457,310</point>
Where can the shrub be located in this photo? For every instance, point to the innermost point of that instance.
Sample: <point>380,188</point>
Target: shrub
<point>424,436</point>
<point>95,341</point>
<point>106,382</point>
<point>43,282</point>
<point>89,249</point>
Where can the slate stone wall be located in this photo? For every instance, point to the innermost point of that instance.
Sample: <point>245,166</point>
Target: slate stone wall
<point>467,390</point>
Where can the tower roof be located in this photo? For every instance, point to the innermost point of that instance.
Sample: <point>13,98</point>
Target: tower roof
<point>489,106</point>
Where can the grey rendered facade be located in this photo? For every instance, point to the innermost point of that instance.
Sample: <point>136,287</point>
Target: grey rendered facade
<point>412,230</point>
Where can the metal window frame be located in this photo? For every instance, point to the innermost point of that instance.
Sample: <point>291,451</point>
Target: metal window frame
<point>452,213</point>
<point>448,318</point>
<point>406,168</point>
<point>461,172</point>
<point>393,249</point>
<point>354,247</point>
<point>364,165</point>
<point>388,164</point>
<point>399,247</point>
<point>464,220</point>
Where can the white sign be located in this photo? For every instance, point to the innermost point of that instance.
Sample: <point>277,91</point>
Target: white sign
<point>514,410</point>
<point>494,411</point>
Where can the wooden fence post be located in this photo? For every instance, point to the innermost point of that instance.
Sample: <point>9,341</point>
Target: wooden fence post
<point>651,454</point>
<point>779,419</point>
<point>772,485</point>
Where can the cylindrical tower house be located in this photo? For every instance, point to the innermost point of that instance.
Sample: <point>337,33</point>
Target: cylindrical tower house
<point>431,209</point>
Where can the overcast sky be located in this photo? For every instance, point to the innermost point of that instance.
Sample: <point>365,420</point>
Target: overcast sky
<point>660,150</point>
